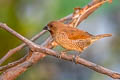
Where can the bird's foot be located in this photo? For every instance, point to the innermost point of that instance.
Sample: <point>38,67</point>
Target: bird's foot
<point>75,57</point>
<point>61,54</point>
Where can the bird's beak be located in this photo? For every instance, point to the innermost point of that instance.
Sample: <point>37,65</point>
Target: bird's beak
<point>45,28</point>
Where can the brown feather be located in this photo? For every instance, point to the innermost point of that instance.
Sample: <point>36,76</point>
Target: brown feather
<point>72,38</point>
<point>75,34</point>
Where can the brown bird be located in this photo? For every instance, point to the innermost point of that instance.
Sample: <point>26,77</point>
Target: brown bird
<point>71,38</point>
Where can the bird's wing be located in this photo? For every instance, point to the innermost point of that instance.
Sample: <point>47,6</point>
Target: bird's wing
<point>75,34</point>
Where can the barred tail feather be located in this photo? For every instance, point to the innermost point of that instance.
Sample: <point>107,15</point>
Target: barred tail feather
<point>97,37</point>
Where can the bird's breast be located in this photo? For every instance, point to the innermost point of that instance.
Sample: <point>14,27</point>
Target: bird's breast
<point>63,40</point>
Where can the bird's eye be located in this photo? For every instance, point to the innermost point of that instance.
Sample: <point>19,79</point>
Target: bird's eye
<point>51,26</point>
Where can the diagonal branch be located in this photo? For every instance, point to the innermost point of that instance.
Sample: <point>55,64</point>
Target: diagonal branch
<point>18,48</point>
<point>86,12</point>
<point>36,48</point>
<point>14,72</point>
<point>89,9</point>
<point>45,44</point>
<point>84,15</point>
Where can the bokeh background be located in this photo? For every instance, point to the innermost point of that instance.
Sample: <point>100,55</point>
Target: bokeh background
<point>28,17</point>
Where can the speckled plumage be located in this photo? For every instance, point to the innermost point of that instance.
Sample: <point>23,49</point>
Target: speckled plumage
<point>72,38</point>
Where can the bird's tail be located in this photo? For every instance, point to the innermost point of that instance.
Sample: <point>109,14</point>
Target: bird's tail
<point>97,37</point>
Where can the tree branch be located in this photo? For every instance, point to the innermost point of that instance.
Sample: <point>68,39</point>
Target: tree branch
<point>46,44</point>
<point>36,48</point>
<point>18,48</point>
<point>36,51</point>
<point>81,17</point>
<point>15,71</point>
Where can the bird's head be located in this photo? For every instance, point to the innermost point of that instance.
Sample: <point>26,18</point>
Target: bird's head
<point>53,26</point>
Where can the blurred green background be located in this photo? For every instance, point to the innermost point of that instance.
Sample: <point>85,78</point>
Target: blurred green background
<point>28,17</point>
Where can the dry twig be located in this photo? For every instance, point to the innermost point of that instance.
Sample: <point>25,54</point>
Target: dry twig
<point>18,48</point>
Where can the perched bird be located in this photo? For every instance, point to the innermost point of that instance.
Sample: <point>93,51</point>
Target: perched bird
<point>71,38</point>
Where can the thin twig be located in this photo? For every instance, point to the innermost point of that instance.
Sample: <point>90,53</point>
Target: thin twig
<point>14,72</point>
<point>13,63</point>
<point>85,14</point>
<point>90,10</point>
<point>45,44</point>
<point>18,48</point>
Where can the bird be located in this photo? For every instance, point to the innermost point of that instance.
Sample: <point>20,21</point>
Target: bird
<point>71,38</point>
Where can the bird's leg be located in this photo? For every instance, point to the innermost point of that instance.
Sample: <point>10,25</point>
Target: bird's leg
<point>75,57</point>
<point>62,53</point>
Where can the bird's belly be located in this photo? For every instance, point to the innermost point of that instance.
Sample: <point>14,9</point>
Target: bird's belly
<point>71,44</point>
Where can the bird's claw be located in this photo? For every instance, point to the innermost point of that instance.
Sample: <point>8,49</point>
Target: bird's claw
<point>61,54</point>
<point>75,58</point>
